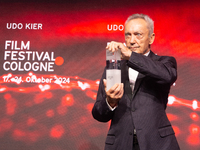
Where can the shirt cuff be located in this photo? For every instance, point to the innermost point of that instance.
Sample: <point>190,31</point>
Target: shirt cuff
<point>112,109</point>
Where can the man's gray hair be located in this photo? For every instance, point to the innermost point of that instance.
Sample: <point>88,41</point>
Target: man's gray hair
<point>149,21</point>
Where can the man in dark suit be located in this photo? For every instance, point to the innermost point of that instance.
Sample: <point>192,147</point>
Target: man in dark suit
<point>136,107</point>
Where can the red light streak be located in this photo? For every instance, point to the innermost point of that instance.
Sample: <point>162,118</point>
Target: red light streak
<point>57,131</point>
<point>82,85</point>
<point>187,48</point>
<point>61,110</point>
<point>50,113</point>
<point>193,140</point>
<point>11,104</point>
<point>44,92</point>
<point>68,100</point>
<point>194,137</point>
<point>31,121</point>
<point>172,100</point>
<point>194,116</point>
<point>77,83</point>
<point>195,105</point>
<point>44,87</point>
<point>94,132</point>
<point>23,135</point>
<point>176,130</point>
<point>172,117</point>
<point>19,134</point>
<point>90,106</point>
<point>5,125</point>
<point>91,94</point>
<point>3,89</point>
<point>194,129</point>
<point>41,97</point>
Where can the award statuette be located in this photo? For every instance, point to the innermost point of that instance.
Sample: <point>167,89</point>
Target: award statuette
<point>113,69</point>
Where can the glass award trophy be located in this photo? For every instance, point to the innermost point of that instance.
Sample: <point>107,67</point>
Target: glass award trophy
<point>113,69</point>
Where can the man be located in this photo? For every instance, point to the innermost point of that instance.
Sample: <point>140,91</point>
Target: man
<point>136,107</point>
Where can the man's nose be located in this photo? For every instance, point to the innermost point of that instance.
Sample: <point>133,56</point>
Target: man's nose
<point>132,40</point>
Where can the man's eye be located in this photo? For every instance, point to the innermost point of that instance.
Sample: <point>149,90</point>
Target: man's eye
<point>127,36</point>
<point>138,34</point>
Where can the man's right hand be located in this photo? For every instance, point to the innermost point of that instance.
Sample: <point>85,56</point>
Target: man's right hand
<point>125,51</point>
<point>114,94</point>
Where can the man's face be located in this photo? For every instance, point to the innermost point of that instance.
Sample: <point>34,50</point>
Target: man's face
<point>137,36</point>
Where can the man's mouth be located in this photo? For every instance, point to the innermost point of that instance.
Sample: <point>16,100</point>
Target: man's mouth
<point>134,48</point>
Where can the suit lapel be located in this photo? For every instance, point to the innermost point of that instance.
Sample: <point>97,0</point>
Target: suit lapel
<point>128,90</point>
<point>139,79</point>
<point>125,79</point>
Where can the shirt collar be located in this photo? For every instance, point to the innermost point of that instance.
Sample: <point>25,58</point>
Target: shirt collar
<point>146,54</point>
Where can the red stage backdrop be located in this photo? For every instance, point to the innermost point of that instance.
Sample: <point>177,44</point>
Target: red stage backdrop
<point>53,56</point>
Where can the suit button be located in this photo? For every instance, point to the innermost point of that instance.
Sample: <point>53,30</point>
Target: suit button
<point>130,133</point>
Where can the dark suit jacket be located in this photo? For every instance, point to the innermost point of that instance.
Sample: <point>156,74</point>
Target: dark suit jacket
<point>142,109</point>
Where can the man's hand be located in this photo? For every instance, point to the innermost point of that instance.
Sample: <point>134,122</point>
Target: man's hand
<point>114,94</point>
<point>125,51</point>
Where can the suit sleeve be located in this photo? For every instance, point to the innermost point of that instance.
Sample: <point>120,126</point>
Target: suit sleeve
<point>163,68</point>
<point>101,111</point>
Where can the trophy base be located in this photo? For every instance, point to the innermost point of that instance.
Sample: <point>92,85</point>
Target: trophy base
<point>113,76</point>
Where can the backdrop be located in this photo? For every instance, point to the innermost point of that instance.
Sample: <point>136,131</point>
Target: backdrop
<point>52,56</point>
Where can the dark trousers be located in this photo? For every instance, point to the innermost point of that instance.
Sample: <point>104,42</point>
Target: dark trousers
<point>135,143</point>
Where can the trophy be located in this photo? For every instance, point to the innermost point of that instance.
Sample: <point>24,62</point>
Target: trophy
<point>113,69</point>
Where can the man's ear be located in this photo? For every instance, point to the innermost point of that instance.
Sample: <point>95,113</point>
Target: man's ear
<point>151,39</point>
